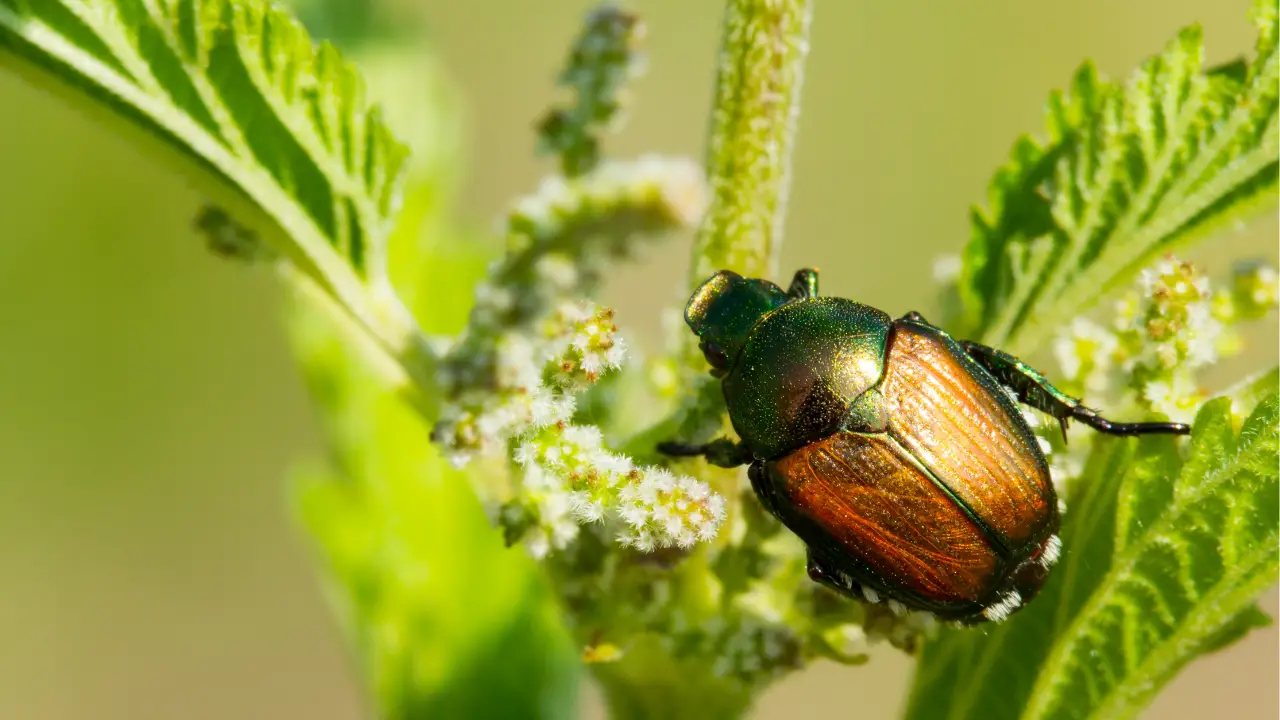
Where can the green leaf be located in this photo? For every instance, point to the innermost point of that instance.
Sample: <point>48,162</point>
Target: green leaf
<point>1164,558</point>
<point>1126,173</point>
<point>1251,619</point>
<point>235,96</point>
<point>443,619</point>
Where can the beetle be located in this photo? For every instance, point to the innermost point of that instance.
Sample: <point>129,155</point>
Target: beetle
<point>898,455</point>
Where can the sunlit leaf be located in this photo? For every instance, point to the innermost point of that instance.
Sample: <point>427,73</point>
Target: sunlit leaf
<point>235,96</point>
<point>1126,172</point>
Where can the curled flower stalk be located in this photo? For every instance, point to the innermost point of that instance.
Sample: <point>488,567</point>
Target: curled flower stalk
<point>1165,331</point>
<point>534,345</point>
<point>605,57</point>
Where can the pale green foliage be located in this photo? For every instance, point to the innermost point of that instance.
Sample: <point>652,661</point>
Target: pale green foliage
<point>444,620</point>
<point>1193,550</point>
<point>1126,173</point>
<point>1164,559</point>
<point>235,95</point>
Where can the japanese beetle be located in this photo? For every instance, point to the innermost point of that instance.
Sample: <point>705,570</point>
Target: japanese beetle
<point>896,453</point>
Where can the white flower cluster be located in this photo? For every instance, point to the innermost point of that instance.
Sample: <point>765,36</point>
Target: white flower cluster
<point>1087,355</point>
<point>1167,329</point>
<point>568,477</point>
<point>594,346</point>
<point>1164,331</point>
<point>533,378</point>
<point>1173,314</point>
<point>571,478</point>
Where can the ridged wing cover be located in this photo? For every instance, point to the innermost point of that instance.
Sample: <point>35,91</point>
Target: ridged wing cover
<point>863,497</point>
<point>954,418</point>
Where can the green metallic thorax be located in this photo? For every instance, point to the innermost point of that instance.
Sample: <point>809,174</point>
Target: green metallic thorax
<point>796,367</point>
<point>804,373</point>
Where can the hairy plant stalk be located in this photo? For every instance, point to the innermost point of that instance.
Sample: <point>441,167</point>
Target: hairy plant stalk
<point>763,45</point>
<point>755,106</point>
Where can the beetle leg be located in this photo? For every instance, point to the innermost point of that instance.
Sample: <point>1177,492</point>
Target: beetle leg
<point>915,317</point>
<point>722,452</point>
<point>821,573</point>
<point>804,286</point>
<point>1036,391</point>
<point>764,491</point>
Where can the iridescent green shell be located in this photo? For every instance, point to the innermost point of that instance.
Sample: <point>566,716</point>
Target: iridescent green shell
<point>801,371</point>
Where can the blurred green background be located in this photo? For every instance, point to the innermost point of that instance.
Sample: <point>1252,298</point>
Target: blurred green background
<point>150,563</point>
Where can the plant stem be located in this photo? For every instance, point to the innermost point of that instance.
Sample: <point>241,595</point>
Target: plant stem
<point>763,45</point>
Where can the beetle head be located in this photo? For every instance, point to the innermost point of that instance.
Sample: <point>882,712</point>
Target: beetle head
<point>723,310</point>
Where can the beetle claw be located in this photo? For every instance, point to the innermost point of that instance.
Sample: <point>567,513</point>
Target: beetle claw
<point>1062,422</point>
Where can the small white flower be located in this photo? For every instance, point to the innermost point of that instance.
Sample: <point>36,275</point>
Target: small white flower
<point>614,465</point>
<point>592,363</point>
<point>662,480</point>
<point>614,356</point>
<point>1158,392</point>
<point>634,516</point>
<point>716,506</point>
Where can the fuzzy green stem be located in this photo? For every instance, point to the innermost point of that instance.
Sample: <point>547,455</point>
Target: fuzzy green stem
<point>763,45</point>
